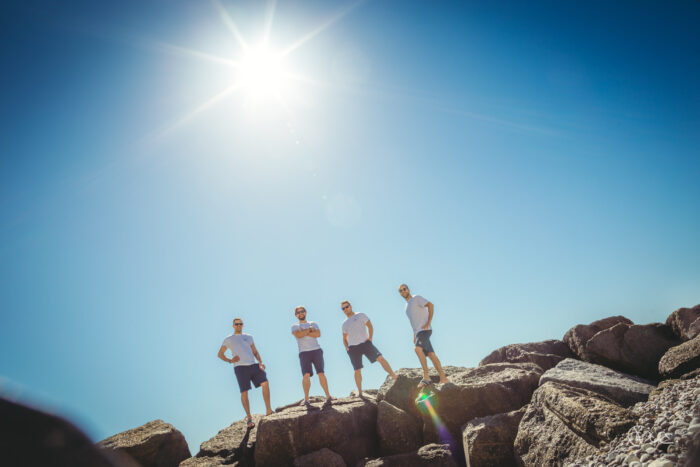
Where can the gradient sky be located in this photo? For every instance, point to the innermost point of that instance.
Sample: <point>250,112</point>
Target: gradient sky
<point>525,166</point>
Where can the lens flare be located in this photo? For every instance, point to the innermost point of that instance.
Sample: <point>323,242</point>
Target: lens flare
<point>427,403</point>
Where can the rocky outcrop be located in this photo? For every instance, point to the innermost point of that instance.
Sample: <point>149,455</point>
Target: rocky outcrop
<point>488,441</point>
<point>564,422</point>
<point>685,322</point>
<point>398,431</point>
<point>624,389</point>
<point>681,359</point>
<point>632,348</point>
<point>234,444</point>
<point>31,437</point>
<point>435,455</point>
<point>348,427</point>
<point>155,444</point>
<point>321,458</point>
<point>578,336</point>
<point>546,354</point>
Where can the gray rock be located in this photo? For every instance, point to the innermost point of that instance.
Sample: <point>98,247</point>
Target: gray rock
<point>685,322</point>
<point>681,359</point>
<point>577,337</point>
<point>632,348</point>
<point>398,431</point>
<point>435,455</point>
<point>624,389</point>
<point>205,462</point>
<point>155,443</point>
<point>546,354</point>
<point>321,458</point>
<point>488,441</point>
<point>348,427</point>
<point>235,443</point>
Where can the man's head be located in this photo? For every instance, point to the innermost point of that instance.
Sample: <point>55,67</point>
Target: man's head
<point>300,313</point>
<point>346,307</point>
<point>404,291</point>
<point>237,325</point>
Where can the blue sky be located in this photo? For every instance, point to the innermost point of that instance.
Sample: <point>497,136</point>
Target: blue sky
<point>524,167</point>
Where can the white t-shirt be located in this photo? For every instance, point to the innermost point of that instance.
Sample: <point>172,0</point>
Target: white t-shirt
<point>239,344</point>
<point>417,313</point>
<point>306,343</point>
<point>355,328</point>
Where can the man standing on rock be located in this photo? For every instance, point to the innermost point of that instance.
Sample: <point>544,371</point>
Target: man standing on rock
<point>358,343</point>
<point>244,354</point>
<point>420,314</point>
<point>310,353</point>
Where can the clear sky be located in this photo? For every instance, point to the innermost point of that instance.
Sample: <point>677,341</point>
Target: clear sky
<point>526,166</point>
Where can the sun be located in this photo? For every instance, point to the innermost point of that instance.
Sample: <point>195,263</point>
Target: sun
<point>263,74</point>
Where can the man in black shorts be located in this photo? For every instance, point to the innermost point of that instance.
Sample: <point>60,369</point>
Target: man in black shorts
<point>420,314</point>
<point>310,353</point>
<point>358,343</point>
<point>247,370</point>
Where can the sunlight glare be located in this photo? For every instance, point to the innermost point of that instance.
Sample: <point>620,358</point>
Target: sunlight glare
<point>262,73</point>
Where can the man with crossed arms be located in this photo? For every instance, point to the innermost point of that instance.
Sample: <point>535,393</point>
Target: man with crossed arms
<point>310,353</point>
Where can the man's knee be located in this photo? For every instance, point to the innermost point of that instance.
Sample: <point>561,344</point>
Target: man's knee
<point>264,384</point>
<point>419,350</point>
<point>307,375</point>
<point>380,359</point>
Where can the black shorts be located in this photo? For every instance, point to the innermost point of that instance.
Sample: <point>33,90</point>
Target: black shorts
<point>309,357</point>
<point>247,373</point>
<point>423,341</point>
<point>357,351</point>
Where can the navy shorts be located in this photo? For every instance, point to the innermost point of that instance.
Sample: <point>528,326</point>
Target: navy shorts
<point>423,341</point>
<point>247,373</point>
<point>309,357</point>
<point>357,351</point>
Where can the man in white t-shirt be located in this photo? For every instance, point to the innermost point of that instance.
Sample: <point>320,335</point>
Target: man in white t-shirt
<point>358,342</point>
<point>420,314</point>
<point>310,353</point>
<point>244,354</point>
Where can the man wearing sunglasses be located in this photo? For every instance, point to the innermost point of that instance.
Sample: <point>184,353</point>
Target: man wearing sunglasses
<point>247,370</point>
<point>310,353</point>
<point>420,314</point>
<point>358,342</point>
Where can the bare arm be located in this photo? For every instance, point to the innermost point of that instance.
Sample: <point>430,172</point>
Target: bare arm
<point>222,355</point>
<point>431,310</point>
<point>314,332</point>
<point>345,341</point>
<point>257,356</point>
<point>301,333</point>
<point>370,329</point>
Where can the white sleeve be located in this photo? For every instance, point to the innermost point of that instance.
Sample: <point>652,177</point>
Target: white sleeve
<point>295,327</point>
<point>364,318</point>
<point>421,301</point>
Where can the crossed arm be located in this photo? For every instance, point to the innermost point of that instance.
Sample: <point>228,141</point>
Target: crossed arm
<point>307,332</point>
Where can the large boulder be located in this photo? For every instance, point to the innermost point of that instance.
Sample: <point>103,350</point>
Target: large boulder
<point>577,337</point>
<point>546,354</point>
<point>155,444</point>
<point>348,427</point>
<point>321,458</point>
<point>632,348</point>
<point>624,389</point>
<point>233,444</point>
<point>398,431</point>
<point>681,359</point>
<point>32,437</point>
<point>685,322</point>
<point>488,441</point>
<point>564,423</point>
<point>435,455</point>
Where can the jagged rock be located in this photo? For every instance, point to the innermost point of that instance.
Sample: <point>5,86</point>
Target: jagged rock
<point>563,422</point>
<point>348,427</point>
<point>546,354</point>
<point>398,431</point>
<point>577,337</point>
<point>236,443</point>
<point>634,349</point>
<point>685,322</point>
<point>681,359</point>
<point>624,389</point>
<point>488,441</point>
<point>436,455</point>
<point>321,458</point>
<point>205,462</point>
<point>32,437</point>
<point>156,444</point>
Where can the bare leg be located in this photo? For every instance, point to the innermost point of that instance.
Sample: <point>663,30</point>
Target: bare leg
<point>438,366</point>
<point>423,362</point>
<point>386,366</point>
<point>324,384</point>
<point>246,403</point>
<point>358,381</point>
<point>306,384</point>
<point>266,397</point>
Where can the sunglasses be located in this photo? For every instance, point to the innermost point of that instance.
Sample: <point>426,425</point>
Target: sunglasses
<point>345,307</point>
<point>299,312</point>
<point>403,289</point>
<point>238,324</point>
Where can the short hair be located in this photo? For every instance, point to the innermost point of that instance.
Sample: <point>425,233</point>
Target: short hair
<point>404,285</point>
<point>239,319</point>
<point>344,302</point>
<point>297,308</point>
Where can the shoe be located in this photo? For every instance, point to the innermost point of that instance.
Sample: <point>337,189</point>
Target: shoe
<point>250,422</point>
<point>424,382</point>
